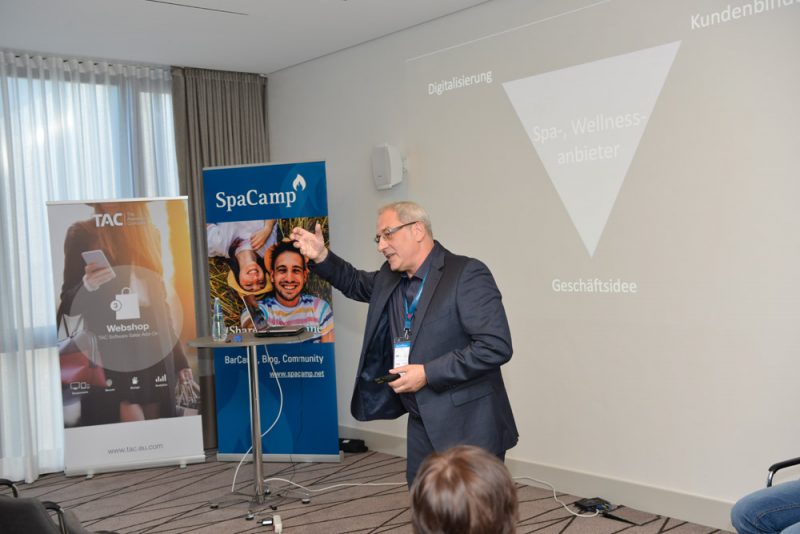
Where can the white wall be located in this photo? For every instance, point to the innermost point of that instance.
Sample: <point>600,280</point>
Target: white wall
<point>675,402</point>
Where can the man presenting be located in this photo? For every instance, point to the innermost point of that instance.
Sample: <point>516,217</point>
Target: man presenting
<point>437,320</point>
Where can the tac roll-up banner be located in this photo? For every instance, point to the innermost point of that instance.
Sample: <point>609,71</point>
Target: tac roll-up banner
<point>261,280</point>
<point>122,271</point>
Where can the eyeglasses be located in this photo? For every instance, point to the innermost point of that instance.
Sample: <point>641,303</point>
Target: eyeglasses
<point>389,232</point>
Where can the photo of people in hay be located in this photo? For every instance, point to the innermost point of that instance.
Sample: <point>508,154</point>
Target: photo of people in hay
<point>254,269</point>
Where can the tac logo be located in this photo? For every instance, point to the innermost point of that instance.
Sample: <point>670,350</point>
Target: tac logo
<point>109,219</point>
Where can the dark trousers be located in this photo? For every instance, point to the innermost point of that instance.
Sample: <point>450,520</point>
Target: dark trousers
<point>419,446</point>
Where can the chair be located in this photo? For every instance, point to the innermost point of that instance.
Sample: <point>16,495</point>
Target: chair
<point>20,515</point>
<point>774,468</point>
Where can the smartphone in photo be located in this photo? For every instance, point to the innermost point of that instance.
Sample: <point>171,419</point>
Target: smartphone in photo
<point>98,257</point>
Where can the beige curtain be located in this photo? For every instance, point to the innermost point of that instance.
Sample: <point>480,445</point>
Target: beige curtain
<point>220,119</point>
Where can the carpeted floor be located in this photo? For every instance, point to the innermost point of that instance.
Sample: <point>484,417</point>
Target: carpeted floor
<point>177,501</point>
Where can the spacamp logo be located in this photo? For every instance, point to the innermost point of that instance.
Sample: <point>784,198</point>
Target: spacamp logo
<point>254,197</point>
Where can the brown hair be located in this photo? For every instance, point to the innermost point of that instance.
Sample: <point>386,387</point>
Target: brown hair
<point>464,490</point>
<point>137,242</point>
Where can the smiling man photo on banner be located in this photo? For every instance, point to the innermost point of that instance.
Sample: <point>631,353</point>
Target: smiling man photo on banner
<point>114,313</point>
<point>436,336</point>
<point>287,304</point>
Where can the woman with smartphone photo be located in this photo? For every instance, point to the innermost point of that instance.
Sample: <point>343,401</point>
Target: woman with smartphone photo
<point>114,285</point>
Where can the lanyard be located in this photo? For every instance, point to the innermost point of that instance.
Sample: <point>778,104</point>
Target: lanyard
<point>411,310</point>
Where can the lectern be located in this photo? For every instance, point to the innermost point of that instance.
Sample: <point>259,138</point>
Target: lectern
<point>252,343</point>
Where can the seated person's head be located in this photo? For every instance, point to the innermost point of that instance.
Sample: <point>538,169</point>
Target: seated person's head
<point>248,268</point>
<point>288,273</point>
<point>464,490</point>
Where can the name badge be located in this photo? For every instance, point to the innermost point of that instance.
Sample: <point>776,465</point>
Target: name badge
<point>402,348</point>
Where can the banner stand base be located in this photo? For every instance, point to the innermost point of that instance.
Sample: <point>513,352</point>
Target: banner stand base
<point>89,472</point>
<point>284,458</point>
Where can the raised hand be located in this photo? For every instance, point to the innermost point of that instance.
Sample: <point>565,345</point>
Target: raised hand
<point>312,246</point>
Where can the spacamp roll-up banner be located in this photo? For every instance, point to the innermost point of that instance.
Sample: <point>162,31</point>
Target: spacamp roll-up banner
<point>122,270</point>
<point>261,280</point>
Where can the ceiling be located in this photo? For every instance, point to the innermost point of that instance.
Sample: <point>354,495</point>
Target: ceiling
<point>238,35</point>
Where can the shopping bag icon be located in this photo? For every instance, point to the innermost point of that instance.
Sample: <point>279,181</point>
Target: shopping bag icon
<point>126,304</point>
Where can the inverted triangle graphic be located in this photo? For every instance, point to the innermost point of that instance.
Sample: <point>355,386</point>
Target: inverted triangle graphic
<point>585,122</point>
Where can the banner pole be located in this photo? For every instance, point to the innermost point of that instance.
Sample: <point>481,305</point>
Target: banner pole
<point>255,419</point>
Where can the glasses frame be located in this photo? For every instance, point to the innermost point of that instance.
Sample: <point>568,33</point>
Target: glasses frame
<point>389,232</point>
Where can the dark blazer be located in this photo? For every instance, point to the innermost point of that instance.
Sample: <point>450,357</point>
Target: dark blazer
<point>461,336</point>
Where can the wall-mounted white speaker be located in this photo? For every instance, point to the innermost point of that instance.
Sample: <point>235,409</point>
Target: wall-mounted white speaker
<point>388,166</point>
